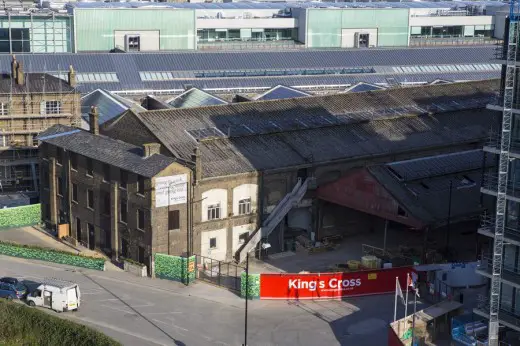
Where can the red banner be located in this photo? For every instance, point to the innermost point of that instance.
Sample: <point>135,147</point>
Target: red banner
<point>331,285</point>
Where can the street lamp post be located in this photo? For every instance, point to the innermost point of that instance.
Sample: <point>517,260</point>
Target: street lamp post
<point>449,219</point>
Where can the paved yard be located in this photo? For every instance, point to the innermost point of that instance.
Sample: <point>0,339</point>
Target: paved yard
<point>143,311</point>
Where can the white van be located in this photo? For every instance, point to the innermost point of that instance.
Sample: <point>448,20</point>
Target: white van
<point>55,294</point>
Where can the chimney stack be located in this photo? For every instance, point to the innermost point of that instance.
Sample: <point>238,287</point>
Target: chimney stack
<point>151,149</point>
<point>195,157</point>
<point>14,66</point>
<point>72,77</point>
<point>94,120</point>
<point>20,76</point>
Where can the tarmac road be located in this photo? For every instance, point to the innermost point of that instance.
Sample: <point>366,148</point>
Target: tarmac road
<point>141,312</point>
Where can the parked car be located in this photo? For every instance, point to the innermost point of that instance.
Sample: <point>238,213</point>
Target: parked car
<point>10,291</point>
<point>9,280</point>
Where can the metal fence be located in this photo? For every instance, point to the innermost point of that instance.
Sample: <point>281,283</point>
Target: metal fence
<point>452,41</point>
<point>220,273</point>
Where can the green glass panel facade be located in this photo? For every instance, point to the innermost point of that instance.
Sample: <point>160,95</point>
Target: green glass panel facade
<point>324,26</point>
<point>36,34</point>
<point>98,29</point>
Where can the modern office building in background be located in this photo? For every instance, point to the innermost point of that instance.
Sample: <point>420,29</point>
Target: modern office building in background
<point>146,26</point>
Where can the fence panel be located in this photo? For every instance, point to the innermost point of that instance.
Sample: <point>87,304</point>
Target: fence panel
<point>223,274</point>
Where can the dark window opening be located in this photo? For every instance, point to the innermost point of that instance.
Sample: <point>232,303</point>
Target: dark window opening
<point>59,186</point>
<point>141,254</point>
<point>243,237</point>
<point>106,172</point>
<point>302,173</point>
<point>140,219</point>
<point>212,243</point>
<point>90,199</point>
<point>123,212</point>
<point>74,192</point>
<point>74,161</point>
<point>140,185</point>
<point>90,167</point>
<point>124,247</point>
<point>173,219</point>
<point>59,156</point>
<point>124,179</point>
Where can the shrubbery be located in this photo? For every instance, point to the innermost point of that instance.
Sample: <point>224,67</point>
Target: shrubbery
<point>21,325</point>
<point>51,255</point>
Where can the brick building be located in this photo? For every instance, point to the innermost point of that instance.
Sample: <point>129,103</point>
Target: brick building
<point>113,195</point>
<point>259,164</point>
<point>29,104</point>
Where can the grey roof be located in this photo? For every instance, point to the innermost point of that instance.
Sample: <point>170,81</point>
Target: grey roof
<point>362,87</point>
<point>244,137</point>
<point>195,98</point>
<point>109,105</point>
<point>128,66</point>
<point>281,92</point>
<point>34,82</point>
<point>104,149</point>
<point>270,5</point>
<point>424,191</point>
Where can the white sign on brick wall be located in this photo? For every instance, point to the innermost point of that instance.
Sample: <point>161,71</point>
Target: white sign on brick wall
<point>174,188</point>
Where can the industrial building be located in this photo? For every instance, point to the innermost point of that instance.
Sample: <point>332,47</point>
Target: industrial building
<point>146,26</point>
<point>171,73</point>
<point>261,168</point>
<point>112,194</point>
<point>30,103</point>
<point>501,260</point>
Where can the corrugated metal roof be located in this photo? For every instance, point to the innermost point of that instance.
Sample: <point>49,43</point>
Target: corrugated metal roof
<point>280,133</point>
<point>195,98</point>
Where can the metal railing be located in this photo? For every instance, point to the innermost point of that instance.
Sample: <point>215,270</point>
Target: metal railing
<point>223,274</point>
<point>488,223</point>
<point>506,314</point>
<point>490,182</point>
<point>452,41</point>
<point>250,45</point>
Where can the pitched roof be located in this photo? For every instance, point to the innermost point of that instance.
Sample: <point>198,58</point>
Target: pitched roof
<point>362,86</point>
<point>105,149</point>
<point>244,137</point>
<point>195,98</point>
<point>34,82</point>
<point>281,92</point>
<point>422,186</point>
<point>109,105</point>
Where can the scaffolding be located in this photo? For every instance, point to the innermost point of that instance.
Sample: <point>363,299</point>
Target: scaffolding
<point>503,172</point>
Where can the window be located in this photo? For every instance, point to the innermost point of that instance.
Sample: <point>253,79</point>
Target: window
<point>173,219</point>
<point>4,108</point>
<point>140,185</point>
<point>59,186</point>
<point>123,211</point>
<point>74,161</point>
<point>401,212</point>
<point>244,206</point>
<point>52,107</point>
<point>59,156</point>
<point>90,199</point>
<point>140,219</point>
<point>106,203</point>
<point>133,43</point>
<point>243,237</point>
<point>90,167</point>
<point>212,243</point>
<point>124,179</point>
<point>214,212</point>
<point>74,192</point>
<point>106,172</point>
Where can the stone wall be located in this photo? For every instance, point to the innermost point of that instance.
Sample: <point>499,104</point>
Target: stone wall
<point>49,255</point>
<point>20,216</point>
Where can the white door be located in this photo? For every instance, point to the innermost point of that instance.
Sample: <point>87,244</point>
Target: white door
<point>72,299</point>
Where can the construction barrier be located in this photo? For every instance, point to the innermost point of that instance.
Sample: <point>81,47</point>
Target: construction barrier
<point>332,285</point>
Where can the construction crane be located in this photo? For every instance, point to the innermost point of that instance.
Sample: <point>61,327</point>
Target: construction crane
<point>503,171</point>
